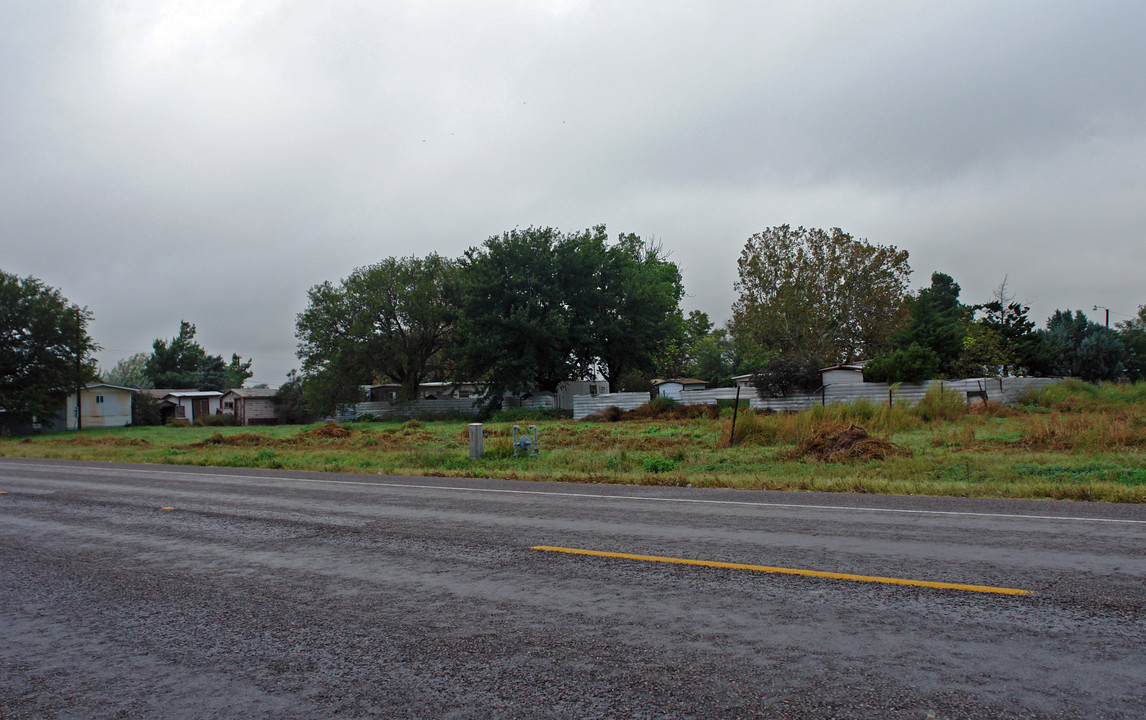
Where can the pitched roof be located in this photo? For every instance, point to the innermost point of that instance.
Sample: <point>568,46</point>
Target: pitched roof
<point>194,393</point>
<point>252,392</point>
<point>93,386</point>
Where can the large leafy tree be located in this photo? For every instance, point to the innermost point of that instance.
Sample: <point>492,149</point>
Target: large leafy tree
<point>638,319</point>
<point>175,364</point>
<point>129,372</point>
<point>819,296</point>
<point>938,323</point>
<point>1132,333</point>
<point>1021,349</point>
<point>387,321</point>
<point>529,301</point>
<point>183,363</point>
<point>540,306</point>
<point>45,349</point>
<point>1085,349</point>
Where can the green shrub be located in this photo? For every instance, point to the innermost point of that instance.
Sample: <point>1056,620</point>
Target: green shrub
<point>661,403</point>
<point>941,403</point>
<point>781,376</point>
<point>749,428</point>
<point>657,464</point>
<point>912,364</point>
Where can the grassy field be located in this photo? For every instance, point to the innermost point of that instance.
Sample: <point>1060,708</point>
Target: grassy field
<point>1069,441</point>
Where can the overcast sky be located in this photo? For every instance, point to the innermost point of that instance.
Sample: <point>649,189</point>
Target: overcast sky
<point>211,161</point>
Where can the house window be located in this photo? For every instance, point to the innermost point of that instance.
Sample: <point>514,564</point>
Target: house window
<point>99,398</point>
<point>180,411</point>
<point>229,405</point>
<point>593,389</point>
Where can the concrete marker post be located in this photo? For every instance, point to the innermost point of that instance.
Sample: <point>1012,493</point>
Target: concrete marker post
<point>477,441</point>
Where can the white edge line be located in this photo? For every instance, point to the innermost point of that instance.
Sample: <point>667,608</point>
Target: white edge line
<point>599,496</point>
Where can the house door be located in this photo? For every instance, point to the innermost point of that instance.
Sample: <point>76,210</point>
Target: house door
<point>201,408</point>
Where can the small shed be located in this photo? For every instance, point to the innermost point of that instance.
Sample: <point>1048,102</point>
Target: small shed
<point>101,406</point>
<point>744,381</point>
<point>672,387</point>
<point>849,374</point>
<point>251,406</point>
<point>190,405</point>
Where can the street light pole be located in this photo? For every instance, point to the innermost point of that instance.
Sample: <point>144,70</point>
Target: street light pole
<point>1096,307</point>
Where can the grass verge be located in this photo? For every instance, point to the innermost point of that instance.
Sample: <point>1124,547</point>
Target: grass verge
<point>1071,441</point>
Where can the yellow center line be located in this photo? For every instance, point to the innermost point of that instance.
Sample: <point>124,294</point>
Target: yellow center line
<point>789,571</point>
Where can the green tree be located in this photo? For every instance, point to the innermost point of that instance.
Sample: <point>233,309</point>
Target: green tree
<point>45,349</point>
<point>783,375</point>
<point>985,352</point>
<point>912,364</point>
<point>818,296</point>
<point>237,372</point>
<point>290,401</point>
<point>175,364</point>
<point>681,355</point>
<point>638,318</point>
<point>145,410</point>
<point>938,323</point>
<point>1085,349</point>
<point>129,372</point>
<point>1132,333</point>
<point>1101,355</point>
<point>211,373</point>
<point>1023,349</point>
<point>385,322</point>
<point>529,300</point>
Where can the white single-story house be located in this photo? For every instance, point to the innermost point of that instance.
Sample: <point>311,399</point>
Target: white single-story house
<point>251,406</point>
<point>190,405</point>
<point>847,374</point>
<point>672,387</point>
<point>744,381</point>
<point>101,406</point>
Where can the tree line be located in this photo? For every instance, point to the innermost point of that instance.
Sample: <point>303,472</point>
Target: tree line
<point>524,311</point>
<point>530,308</point>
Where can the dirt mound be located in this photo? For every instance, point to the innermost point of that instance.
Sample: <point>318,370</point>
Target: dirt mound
<point>651,412</point>
<point>239,440</point>
<point>835,444</point>
<point>329,431</point>
<point>108,441</point>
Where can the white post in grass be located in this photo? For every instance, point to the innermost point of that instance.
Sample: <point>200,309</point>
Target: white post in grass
<point>476,441</point>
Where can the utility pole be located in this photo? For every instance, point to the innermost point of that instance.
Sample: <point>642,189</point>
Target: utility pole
<point>1097,307</point>
<point>79,413</point>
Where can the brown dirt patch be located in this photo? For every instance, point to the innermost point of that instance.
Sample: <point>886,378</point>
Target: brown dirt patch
<point>329,431</point>
<point>851,444</point>
<point>108,441</point>
<point>238,440</point>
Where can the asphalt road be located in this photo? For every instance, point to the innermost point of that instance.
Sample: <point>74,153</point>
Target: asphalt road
<point>171,592</point>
